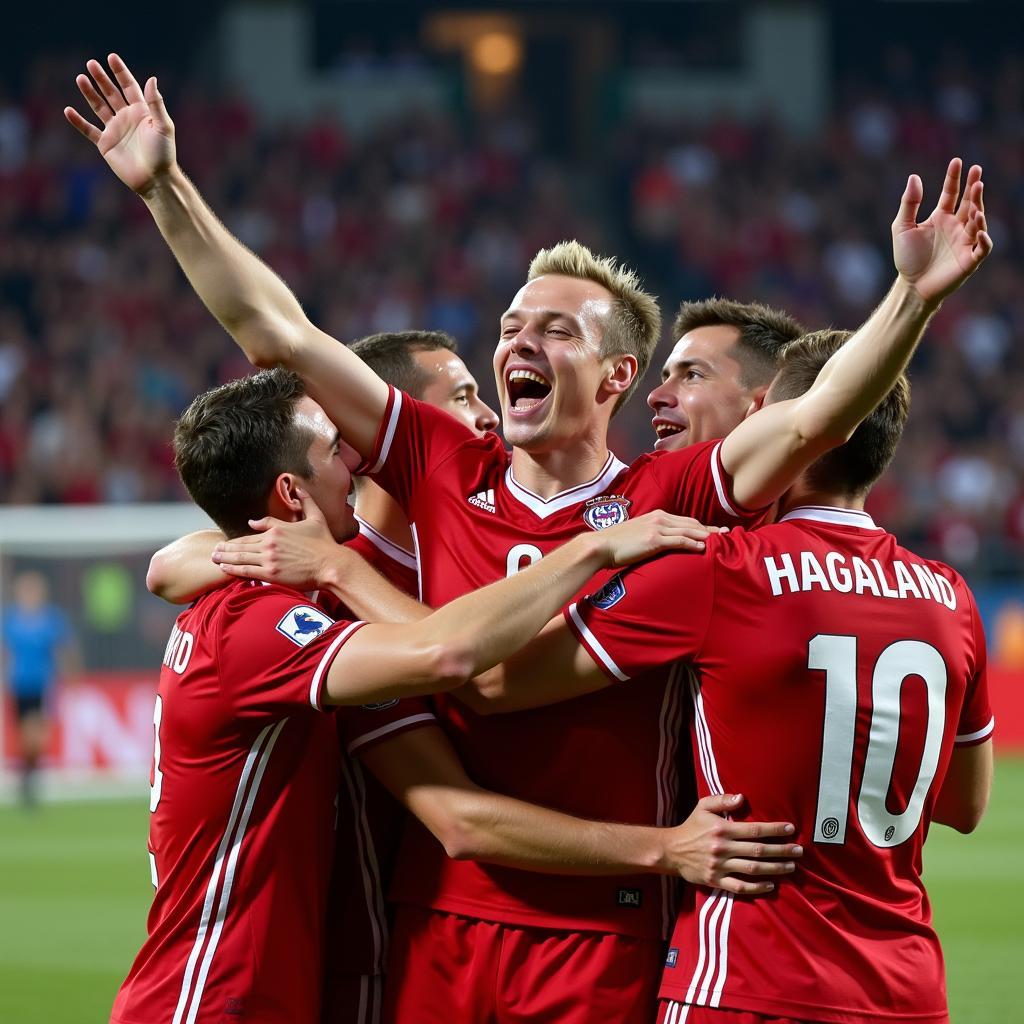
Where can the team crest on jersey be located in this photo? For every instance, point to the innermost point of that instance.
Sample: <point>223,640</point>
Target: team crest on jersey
<point>303,624</point>
<point>611,593</point>
<point>609,510</point>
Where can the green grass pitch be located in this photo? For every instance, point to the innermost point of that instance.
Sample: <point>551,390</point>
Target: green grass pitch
<point>74,891</point>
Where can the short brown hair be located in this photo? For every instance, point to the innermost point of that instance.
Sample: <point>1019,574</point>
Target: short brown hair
<point>389,355</point>
<point>231,444</point>
<point>853,467</point>
<point>764,333</point>
<point>634,325</point>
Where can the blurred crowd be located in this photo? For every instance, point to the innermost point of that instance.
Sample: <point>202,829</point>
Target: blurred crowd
<point>429,223</point>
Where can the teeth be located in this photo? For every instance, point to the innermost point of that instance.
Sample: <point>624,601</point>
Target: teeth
<point>667,429</point>
<point>527,375</point>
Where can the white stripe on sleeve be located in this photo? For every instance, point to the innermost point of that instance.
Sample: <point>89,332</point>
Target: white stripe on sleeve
<point>980,734</point>
<point>594,645</point>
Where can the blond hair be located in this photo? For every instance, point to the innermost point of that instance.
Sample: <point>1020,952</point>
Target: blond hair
<point>634,324</point>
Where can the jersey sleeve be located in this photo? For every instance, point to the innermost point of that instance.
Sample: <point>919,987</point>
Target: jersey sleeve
<point>414,437</point>
<point>694,483</point>
<point>976,722</point>
<point>655,613</point>
<point>361,728</point>
<point>275,649</point>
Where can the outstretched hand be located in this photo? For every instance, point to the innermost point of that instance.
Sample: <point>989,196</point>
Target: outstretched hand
<point>650,534</point>
<point>293,554</point>
<point>710,849</point>
<point>137,134</point>
<point>936,256</point>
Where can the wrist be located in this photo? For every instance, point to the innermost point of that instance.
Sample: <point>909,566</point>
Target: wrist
<point>163,185</point>
<point>331,572</point>
<point>910,302</point>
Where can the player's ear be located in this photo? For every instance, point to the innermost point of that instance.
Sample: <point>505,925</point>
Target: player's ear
<point>620,372</point>
<point>756,400</point>
<point>285,501</point>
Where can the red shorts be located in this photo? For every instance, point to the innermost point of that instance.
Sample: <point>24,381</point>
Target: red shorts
<point>353,998</point>
<point>446,969</point>
<point>671,1012</point>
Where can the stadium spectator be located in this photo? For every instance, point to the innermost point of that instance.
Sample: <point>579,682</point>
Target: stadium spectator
<point>39,646</point>
<point>80,277</point>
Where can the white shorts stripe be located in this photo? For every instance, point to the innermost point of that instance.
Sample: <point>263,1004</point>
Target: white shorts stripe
<point>723,965</point>
<point>325,661</point>
<point>255,764</point>
<point>368,866</point>
<point>716,475</point>
<point>389,433</point>
<point>594,645</point>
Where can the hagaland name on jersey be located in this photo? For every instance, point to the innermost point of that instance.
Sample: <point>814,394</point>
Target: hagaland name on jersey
<point>801,571</point>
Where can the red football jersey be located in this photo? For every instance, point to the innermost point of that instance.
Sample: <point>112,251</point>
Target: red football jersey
<point>370,819</point>
<point>245,772</point>
<point>610,755</point>
<point>832,673</point>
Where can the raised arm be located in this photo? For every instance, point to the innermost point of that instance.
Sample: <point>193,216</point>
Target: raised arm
<point>181,571</point>
<point>767,452</point>
<point>474,632</point>
<point>251,302</point>
<point>424,773</point>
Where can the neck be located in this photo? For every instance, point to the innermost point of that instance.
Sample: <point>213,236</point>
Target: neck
<point>376,507</point>
<point>549,473</point>
<point>801,494</point>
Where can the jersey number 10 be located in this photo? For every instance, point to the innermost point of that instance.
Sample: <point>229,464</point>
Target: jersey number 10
<point>836,656</point>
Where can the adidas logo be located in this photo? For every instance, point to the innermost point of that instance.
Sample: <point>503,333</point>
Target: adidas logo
<point>484,500</point>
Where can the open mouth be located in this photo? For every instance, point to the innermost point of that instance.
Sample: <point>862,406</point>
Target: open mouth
<point>663,429</point>
<point>526,390</point>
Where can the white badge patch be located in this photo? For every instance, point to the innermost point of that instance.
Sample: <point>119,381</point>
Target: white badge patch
<point>304,623</point>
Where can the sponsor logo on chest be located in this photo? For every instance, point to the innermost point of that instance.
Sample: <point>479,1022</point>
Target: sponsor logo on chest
<point>608,510</point>
<point>484,500</point>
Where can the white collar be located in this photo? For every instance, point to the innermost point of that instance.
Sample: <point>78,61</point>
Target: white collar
<point>544,507</point>
<point>835,516</point>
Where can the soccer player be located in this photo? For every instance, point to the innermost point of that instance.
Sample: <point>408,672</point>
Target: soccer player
<point>857,669</point>
<point>36,637</point>
<point>245,764</point>
<point>725,356</point>
<point>572,346</point>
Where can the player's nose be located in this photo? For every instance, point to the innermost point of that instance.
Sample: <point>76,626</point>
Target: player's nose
<point>486,417</point>
<point>661,398</point>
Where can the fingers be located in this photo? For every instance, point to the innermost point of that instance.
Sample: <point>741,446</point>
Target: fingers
<point>909,204</point>
<point>762,851</point>
<point>99,105</point>
<point>310,509</point>
<point>90,131</point>
<point>950,187</point>
<point>745,888</point>
<point>774,868</point>
<point>110,92</point>
<point>155,101</point>
<point>125,79</point>
<point>721,803</point>
<point>968,202</point>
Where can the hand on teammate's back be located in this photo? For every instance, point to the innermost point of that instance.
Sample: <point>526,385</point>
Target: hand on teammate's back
<point>936,256</point>
<point>651,534</point>
<point>137,137</point>
<point>292,554</point>
<point>711,849</point>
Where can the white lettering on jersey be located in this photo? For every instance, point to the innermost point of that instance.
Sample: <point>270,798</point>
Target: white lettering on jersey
<point>483,499</point>
<point>520,557</point>
<point>178,650</point>
<point>854,575</point>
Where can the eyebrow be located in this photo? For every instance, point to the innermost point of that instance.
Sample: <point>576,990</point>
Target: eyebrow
<point>336,439</point>
<point>548,315</point>
<point>463,385</point>
<point>683,364</point>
